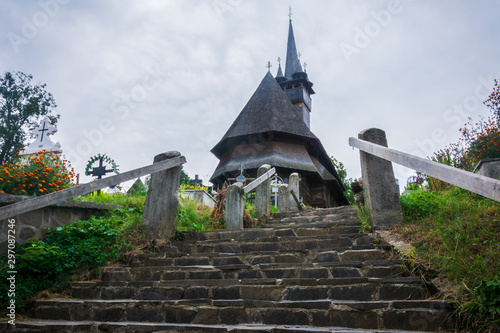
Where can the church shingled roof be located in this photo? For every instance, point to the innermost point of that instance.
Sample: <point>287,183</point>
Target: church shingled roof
<point>268,110</point>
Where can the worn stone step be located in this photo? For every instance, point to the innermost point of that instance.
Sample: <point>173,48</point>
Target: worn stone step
<point>279,244</point>
<point>343,210</point>
<point>421,316</point>
<point>243,260</point>
<point>44,326</point>
<point>359,289</point>
<point>261,268</point>
<point>279,230</point>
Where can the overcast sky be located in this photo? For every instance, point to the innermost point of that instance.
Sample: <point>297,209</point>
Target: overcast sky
<point>136,78</point>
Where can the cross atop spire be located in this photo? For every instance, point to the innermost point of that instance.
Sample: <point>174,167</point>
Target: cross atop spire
<point>269,66</point>
<point>290,12</point>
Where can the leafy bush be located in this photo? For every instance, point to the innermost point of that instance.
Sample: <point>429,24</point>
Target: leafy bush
<point>37,174</point>
<point>346,182</point>
<point>83,245</point>
<point>487,300</point>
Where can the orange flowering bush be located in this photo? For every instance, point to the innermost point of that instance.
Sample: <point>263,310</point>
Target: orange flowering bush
<point>479,140</point>
<point>36,174</point>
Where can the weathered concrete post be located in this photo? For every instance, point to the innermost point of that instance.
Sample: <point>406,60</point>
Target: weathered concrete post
<point>284,199</point>
<point>235,206</point>
<point>263,195</point>
<point>162,201</point>
<point>293,185</point>
<point>381,195</point>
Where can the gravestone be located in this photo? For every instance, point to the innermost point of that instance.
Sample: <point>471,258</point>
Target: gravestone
<point>489,167</point>
<point>42,140</point>
<point>293,185</point>
<point>263,195</point>
<point>235,207</point>
<point>162,201</point>
<point>138,186</point>
<point>196,181</point>
<point>283,199</point>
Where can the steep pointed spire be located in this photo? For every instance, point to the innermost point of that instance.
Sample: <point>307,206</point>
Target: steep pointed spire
<point>280,72</point>
<point>292,64</point>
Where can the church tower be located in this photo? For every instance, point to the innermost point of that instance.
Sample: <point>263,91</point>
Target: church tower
<point>274,128</point>
<point>295,82</point>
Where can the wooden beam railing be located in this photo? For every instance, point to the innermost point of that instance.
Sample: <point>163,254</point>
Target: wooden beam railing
<point>53,198</point>
<point>479,184</point>
<point>259,181</point>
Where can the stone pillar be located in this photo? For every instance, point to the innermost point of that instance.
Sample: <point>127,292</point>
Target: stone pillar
<point>283,199</point>
<point>235,206</point>
<point>263,195</point>
<point>162,201</point>
<point>379,184</point>
<point>293,185</point>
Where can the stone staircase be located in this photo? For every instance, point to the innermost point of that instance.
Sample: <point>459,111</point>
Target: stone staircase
<point>309,272</point>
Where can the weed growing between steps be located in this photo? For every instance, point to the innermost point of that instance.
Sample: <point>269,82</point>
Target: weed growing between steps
<point>456,235</point>
<point>194,216</point>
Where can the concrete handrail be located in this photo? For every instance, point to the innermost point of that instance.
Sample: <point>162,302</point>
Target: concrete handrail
<point>52,198</point>
<point>479,184</point>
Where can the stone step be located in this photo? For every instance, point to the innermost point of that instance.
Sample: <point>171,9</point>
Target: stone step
<point>275,244</point>
<point>358,289</point>
<point>272,231</point>
<point>330,266</point>
<point>343,210</point>
<point>49,326</point>
<point>409,315</point>
<point>246,260</point>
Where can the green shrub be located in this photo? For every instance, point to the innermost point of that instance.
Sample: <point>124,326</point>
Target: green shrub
<point>487,300</point>
<point>420,203</point>
<point>66,250</point>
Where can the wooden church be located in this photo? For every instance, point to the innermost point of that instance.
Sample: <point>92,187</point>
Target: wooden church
<point>274,128</point>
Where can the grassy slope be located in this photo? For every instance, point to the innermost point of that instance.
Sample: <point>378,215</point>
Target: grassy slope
<point>456,235</point>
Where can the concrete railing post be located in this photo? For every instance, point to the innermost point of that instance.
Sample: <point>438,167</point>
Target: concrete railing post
<point>263,195</point>
<point>283,199</point>
<point>293,185</point>
<point>235,206</point>
<point>381,195</point>
<point>162,201</point>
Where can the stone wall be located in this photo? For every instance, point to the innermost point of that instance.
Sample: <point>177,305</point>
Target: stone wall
<point>35,223</point>
<point>200,196</point>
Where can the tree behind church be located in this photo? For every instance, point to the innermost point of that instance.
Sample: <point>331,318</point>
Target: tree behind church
<point>22,104</point>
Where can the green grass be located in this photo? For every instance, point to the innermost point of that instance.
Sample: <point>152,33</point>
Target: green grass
<point>194,216</point>
<point>456,235</point>
<point>135,201</point>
